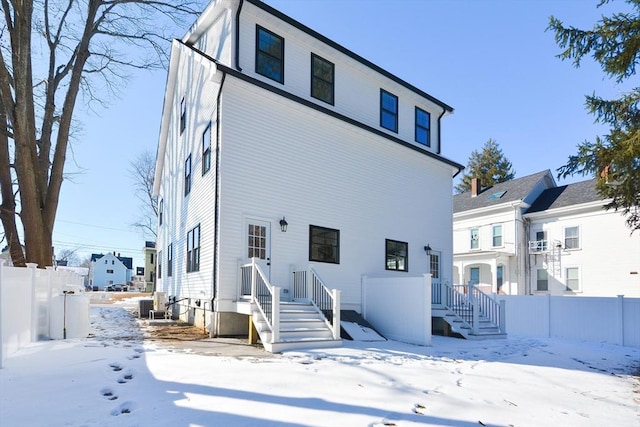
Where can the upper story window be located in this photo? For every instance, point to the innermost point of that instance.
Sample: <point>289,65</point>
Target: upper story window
<point>206,149</point>
<point>542,280</point>
<point>109,271</point>
<point>170,260</point>
<point>269,54</point>
<point>322,73</point>
<point>160,211</point>
<point>183,115</point>
<point>497,235</point>
<point>572,238</point>
<point>187,175</point>
<point>474,238</point>
<point>541,240</point>
<point>324,244</point>
<point>572,279</point>
<point>193,249</point>
<point>151,258</point>
<point>388,110</point>
<point>397,255</point>
<point>423,121</point>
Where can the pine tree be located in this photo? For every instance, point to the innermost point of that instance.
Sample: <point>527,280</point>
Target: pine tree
<point>614,42</point>
<point>490,165</point>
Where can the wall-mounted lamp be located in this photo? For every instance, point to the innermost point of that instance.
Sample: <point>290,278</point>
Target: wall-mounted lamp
<point>283,225</point>
<point>427,249</point>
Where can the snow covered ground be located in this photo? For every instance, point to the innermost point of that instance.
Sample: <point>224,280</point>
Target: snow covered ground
<point>117,379</point>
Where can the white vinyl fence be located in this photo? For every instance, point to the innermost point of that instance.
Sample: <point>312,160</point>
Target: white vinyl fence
<point>614,320</point>
<point>399,308</point>
<point>26,295</point>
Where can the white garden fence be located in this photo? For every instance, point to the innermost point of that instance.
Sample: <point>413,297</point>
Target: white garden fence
<point>26,295</point>
<point>612,320</point>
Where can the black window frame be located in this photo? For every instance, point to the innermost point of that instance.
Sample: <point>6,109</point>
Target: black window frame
<point>187,175</point>
<point>384,112</point>
<point>388,255</point>
<point>159,265</point>
<point>420,127</point>
<point>318,80</point>
<point>160,211</point>
<point>183,115</point>
<point>265,57</point>
<point>206,149</point>
<point>170,260</point>
<point>193,249</point>
<point>332,255</point>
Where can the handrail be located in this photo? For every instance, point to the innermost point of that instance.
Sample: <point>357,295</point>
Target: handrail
<point>487,306</point>
<point>308,285</point>
<point>264,295</point>
<point>470,304</point>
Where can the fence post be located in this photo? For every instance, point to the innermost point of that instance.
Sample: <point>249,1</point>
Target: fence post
<point>476,309</point>
<point>254,273</point>
<point>547,317</point>
<point>363,293</point>
<point>34,313</point>
<point>336,314</point>
<point>2,310</point>
<point>503,316</point>
<point>620,320</point>
<point>275,315</point>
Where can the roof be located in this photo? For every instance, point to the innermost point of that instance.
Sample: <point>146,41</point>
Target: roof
<point>504,192</point>
<point>566,195</point>
<point>127,261</point>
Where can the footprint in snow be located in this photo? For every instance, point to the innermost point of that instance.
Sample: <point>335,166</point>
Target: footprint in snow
<point>418,408</point>
<point>124,408</point>
<point>115,366</point>
<point>134,356</point>
<point>108,393</point>
<point>125,378</point>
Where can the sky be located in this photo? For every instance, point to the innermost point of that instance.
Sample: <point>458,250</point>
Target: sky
<point>491,60</point>
<point>114,378</point>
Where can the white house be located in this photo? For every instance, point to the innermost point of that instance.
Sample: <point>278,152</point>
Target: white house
<point>530,236</point>
<point>280,145</point>
<point>109,269</point>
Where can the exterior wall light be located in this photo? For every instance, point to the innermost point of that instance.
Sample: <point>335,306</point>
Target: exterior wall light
<point>427,249</point>
<point>283,225</point>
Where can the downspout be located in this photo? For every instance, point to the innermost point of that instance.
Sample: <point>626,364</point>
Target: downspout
<point>439,131</point>
<point>238,37</point>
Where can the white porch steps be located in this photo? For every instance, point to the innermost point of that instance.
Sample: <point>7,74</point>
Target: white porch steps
<point>302,326</point>
<point>485,330</point>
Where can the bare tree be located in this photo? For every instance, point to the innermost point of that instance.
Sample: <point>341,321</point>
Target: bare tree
<point>69,255</point>
<point>142,171</point>
<point>51,51</point>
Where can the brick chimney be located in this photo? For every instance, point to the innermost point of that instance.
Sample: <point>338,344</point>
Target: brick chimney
<point>475,186</point>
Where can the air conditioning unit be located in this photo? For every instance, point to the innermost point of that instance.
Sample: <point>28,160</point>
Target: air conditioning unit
<point>160,301</point>
<point>144,306</point>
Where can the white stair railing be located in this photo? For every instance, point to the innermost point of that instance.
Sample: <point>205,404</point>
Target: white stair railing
<point>266,297</point>
<point>307,285</point>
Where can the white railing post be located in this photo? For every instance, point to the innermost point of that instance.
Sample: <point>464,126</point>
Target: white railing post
<point>503,316</point>
<point>476,307</point>
<point>34,313</point>
<point>254,279</point>
<point>620,320</point>
<point>2,310</point>
<point>309,280</point>
<point>275,315</point>
<point>336,313</point>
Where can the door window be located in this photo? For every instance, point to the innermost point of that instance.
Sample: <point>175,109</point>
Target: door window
<point>257,244</point>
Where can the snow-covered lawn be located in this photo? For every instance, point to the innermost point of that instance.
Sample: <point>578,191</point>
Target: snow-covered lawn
<point>116,379</point>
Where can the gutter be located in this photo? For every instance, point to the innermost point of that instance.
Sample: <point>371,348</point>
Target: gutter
<point>237,38</point>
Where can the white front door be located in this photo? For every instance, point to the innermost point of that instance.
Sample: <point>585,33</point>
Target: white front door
<point>434,268</point>
<point>258,244</point>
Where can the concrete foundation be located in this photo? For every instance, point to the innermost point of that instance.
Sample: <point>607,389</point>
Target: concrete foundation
<point>227,324</point>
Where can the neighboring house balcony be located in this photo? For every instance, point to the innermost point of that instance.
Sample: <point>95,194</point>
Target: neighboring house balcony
<point>489,270</point>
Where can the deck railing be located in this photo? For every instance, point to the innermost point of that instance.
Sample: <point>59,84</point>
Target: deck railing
<point>307,285</point>
<point>470,304</point>
<point>263,294</point>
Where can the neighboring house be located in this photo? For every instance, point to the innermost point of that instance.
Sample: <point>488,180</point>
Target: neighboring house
<point>280,145</point>
<point>578,248</point>
<point>109,269</point>
<point>489,237</point>
<point>150,258</point>
<point>529,236</point>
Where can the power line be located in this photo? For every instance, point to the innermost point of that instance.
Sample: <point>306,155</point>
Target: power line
<point>95,226</point>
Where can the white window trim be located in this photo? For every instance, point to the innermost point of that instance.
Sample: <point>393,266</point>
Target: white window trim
<point>564,238</point>
<point>493,227</point>
<point>565,279</point>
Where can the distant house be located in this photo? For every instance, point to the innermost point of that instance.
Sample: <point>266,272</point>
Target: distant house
<point>109,269</point>
<point>530,236</point>
<point>286,158</point>
<point>150,260</point>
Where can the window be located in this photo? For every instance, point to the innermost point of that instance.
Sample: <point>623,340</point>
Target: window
<point>109,271</point>
<point>257,244</point>
<point>474,237</point>
<point>170,260</point>
<point>388,110</point>
<point>183,115</point>
<point>324,244</point>
<point>474,273</point>
<point>542,280</point>
<point>434,265</point>
<point>396,255</point>
<point>499,278</point>
<point>187,175</point>
<point>423,121</point>
<point>151,258</point>
<point>269,54</point>
<point>572,279</point>
<point>206,149</point>
<point>572,238</point>
<point>541,240</point>
<point>193,249</point>
<point>160,211</point>
<point>497,235</point>
<point>322,72</point>
<point>160,265</point>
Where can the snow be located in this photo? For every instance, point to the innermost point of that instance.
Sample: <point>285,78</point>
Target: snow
<point>115,378</point>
